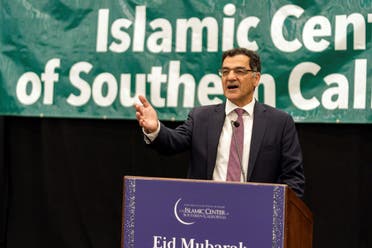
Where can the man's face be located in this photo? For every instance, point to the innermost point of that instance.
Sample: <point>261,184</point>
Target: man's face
<point>238,83</point>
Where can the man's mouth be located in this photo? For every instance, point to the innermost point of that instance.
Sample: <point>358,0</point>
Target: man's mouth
<point>231,87</point>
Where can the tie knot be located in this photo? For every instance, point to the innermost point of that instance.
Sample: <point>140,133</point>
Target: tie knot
<point>239,111</point>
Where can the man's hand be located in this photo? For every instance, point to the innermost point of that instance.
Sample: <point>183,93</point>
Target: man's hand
<point>146,115</point>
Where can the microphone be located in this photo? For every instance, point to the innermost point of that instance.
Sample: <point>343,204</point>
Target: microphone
<point>236,124</point>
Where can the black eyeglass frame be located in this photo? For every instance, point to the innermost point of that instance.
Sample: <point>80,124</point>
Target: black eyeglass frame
<point>238,71</point>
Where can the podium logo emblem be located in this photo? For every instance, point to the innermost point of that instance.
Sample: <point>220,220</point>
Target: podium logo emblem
<point>178,216</point>
<point>188,213</point>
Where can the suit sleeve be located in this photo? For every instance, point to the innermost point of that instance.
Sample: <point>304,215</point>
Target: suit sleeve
<point>171,141</point>
<point>292,172</point>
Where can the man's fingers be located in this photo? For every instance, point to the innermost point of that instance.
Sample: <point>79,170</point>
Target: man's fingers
<point>138,107</point>
<point>140,119</point>
<point>144,101</point>
<point>138,116</point>
<point>146,115</point>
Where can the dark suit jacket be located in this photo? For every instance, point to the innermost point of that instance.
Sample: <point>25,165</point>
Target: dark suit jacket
<point>275,153</point>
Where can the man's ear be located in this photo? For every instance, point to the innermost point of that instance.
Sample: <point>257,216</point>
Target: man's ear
<point>257,77</point>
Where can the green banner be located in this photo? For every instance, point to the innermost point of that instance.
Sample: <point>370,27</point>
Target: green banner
<point>90,59</point>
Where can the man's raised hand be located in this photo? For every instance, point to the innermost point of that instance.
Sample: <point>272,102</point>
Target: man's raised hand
<point>146,115</point>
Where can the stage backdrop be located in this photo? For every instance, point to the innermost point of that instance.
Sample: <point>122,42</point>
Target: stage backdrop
<point>90,58</point>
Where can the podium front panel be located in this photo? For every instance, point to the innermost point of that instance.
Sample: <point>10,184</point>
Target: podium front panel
<point>161,213</point>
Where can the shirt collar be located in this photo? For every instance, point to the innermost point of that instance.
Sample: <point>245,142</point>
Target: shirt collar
<point>231,107</point>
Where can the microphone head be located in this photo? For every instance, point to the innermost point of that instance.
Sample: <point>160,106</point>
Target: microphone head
<point>236,124</point>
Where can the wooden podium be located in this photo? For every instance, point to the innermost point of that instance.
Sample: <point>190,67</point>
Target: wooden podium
<point>298,222</point>
<point>180,213</point>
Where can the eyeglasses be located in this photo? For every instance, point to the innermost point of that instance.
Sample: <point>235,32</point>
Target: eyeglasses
<point>238,71</point>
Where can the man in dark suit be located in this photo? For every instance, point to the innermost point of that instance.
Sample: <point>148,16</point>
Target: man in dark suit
<point>266,150</point>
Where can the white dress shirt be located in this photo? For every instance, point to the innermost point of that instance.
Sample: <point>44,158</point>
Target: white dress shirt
<point>223,150</point>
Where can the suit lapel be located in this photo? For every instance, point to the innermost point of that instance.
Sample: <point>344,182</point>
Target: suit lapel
<point>214,128</point>
<point>258,130</point>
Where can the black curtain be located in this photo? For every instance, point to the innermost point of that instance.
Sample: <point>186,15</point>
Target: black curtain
<point>3,187</point>
<point>61,180</point>
<point>338,167</point>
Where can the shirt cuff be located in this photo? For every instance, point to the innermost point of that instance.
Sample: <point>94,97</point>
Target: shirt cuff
<point>150,137</point>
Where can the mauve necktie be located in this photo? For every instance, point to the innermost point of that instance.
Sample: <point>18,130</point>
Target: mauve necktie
<point>234,170</point>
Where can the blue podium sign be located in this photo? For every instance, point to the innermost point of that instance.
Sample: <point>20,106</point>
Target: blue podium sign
<point>162,213</point>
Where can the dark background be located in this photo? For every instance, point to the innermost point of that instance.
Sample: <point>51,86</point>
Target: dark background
<point>61,180</point>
